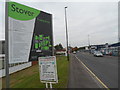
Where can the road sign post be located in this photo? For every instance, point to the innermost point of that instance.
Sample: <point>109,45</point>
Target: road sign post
<point>50,85</point>
<point>6,45</point>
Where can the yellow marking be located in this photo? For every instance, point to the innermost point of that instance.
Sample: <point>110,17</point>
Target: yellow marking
<point>93,74</point>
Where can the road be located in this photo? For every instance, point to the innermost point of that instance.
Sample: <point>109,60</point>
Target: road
<point>79,76</point>
<point>105,68</point>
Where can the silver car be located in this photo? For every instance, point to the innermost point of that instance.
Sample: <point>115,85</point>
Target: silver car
<point>74,52</point>
<point>98,54</point>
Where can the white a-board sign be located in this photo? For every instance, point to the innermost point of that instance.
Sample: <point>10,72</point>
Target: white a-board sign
<point>48,69</point>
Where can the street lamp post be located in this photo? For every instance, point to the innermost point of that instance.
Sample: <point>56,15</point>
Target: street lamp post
<point>89,43</point>
<point>88,40</point>
<point>66,33</point>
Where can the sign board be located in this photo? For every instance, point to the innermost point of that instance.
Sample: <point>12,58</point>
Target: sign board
<point>30,33</point>
<point>48,69</point>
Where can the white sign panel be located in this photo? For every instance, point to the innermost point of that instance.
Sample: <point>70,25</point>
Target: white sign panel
<point>21,21</point>
<point>48,69</point>
<point>20,38</point>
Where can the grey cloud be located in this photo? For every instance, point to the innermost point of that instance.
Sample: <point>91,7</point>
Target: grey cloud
<point>84,18</point>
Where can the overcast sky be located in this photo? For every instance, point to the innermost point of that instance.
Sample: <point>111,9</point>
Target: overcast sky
<point>99,20</point>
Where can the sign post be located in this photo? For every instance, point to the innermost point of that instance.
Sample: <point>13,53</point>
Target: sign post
<point>6,45</point>
<point>50,85</point>
<point>46,85</point>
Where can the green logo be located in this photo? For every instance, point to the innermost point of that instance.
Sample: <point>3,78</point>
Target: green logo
<point>21,12</point>
<point>42,42</point>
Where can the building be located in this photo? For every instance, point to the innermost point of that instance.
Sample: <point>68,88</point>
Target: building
<point>61,52</point>
<point>107,49</point>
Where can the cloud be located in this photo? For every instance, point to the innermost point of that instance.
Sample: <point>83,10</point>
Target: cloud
<point>98,19</point>
<point>67,0</point>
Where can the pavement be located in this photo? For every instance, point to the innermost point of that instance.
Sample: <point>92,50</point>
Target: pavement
<point>80,77</point>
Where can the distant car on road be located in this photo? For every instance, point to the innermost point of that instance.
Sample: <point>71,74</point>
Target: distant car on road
<point>98,54</point>
<point>74,52</point>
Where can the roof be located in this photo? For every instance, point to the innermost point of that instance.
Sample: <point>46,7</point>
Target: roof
<point>115,45</point>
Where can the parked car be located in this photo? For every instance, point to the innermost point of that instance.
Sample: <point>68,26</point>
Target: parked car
<point>98,54</point>
<point>92,51</point>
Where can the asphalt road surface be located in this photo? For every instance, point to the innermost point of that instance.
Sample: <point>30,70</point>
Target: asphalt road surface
<point>79,76</point>
<point>105,68</point>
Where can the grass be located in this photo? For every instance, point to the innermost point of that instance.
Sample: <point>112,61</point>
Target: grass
<point>63,71</point>
<point>29,78</point>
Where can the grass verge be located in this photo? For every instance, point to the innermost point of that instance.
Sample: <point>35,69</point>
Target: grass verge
<point>29,78</point>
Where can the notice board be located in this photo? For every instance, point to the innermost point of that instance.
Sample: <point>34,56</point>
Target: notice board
<point>30,33</point>
<point>48,69</point>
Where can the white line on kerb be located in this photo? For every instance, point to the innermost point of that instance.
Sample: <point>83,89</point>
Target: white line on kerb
<point>92,73</point>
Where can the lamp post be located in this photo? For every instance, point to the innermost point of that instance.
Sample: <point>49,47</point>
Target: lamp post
<point>89,43</point>
<point>66,34</point>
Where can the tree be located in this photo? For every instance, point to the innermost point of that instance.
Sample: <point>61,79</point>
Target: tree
<point>59,47</point>
<point>75,49</point>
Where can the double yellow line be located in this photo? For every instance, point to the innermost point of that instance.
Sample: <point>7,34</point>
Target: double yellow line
<point>92,73</point>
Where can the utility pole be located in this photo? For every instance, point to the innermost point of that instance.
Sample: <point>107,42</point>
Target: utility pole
<point>89,43</point>
<point>66,34</point>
